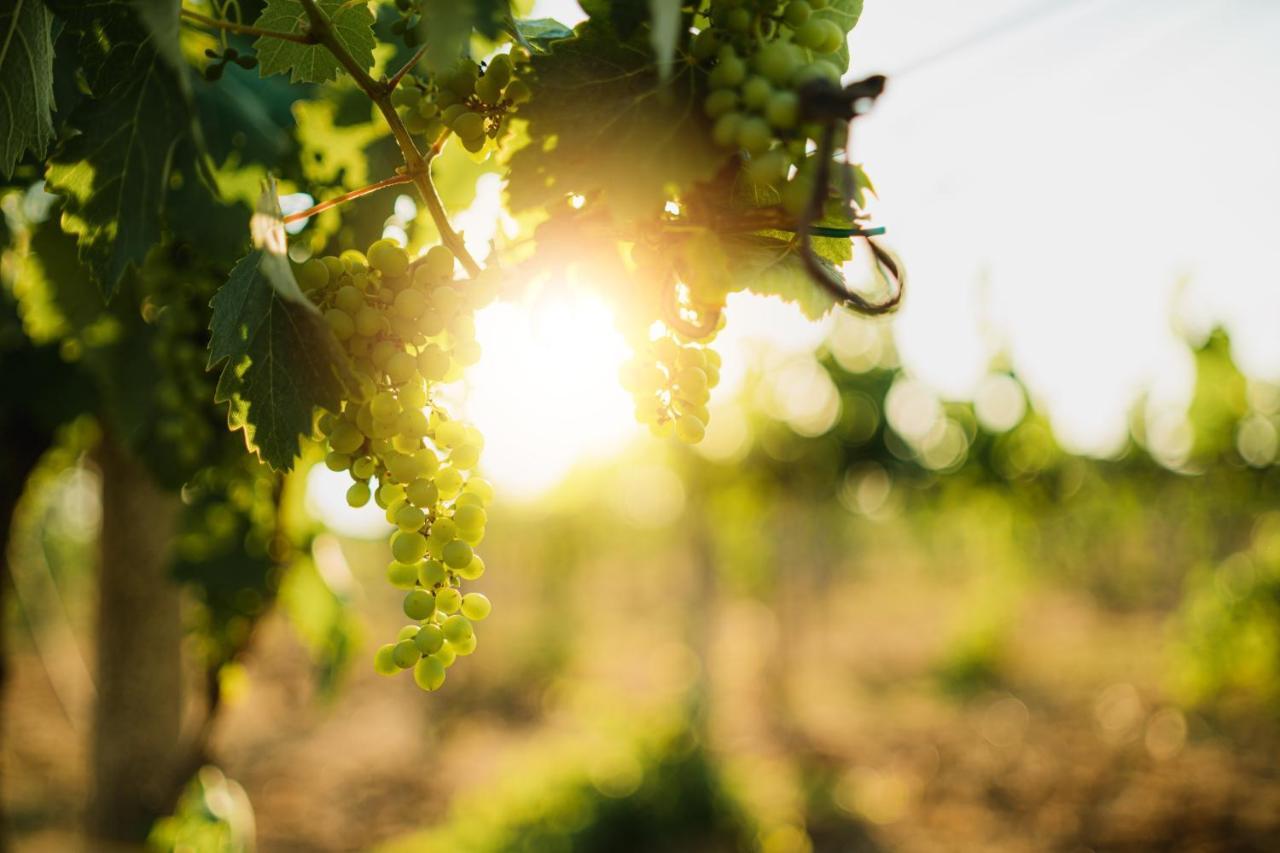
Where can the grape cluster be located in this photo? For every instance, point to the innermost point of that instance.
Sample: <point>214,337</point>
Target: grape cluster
<point>759,55</point>
<point>471,103</point>
<point>406,328</point>
<point>671,383</point>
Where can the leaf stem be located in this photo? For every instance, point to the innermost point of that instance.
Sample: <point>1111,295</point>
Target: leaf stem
<point>345,197</point>
<point>246,30</point>
<point>417,167</point>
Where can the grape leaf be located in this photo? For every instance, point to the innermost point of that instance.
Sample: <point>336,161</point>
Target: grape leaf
<point>26,82</point>
<point>281,358</point>
<point>114,174</point>
<point>845,13</point>
<point>601,122</point>
<point>313,63</point>
<point>536,34</point>
<point>773,267</point>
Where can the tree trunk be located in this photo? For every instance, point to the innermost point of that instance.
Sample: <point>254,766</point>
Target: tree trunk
<point>139,635</point>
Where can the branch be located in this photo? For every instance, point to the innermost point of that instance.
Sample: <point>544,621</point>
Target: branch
<point>417,167</point>
<point>245,30</point>
<point>408,66</point>
<point>345,197</point>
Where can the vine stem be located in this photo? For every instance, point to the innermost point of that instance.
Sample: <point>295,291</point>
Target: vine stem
<point>394,180</point>
<point>245,30</point>
<point>407,67</point>
<point>417,166</point>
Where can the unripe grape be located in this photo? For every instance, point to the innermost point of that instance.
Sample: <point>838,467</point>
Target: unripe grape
<point>402,575</point>
<point>419,604</point>
<point>408,547</point>
<point>783,110</point>
<point>473,570</point>
<point>796,13</point>
<point>438,263</point>
<point>480,487</point>
<point>443,529</point>
<point>349,299</point>
<point>457,628</point>
<point>389,493</point>
<point>429,639</point>
<point>422,492</point>
<point>363,468</point>
<point>408,632</point>
<point>499,70</point>
<point>405,654</point>
<point>431,573</point>
<point>728,73</point>
<point>400,367</point>
<point>358,495</point>
<point>335,267</point>
<point>433,363</point>
<point>410,304</point>
<point>413,396</point>
<point>340,323</point>
<point>738,20</point>
<point>449,482</point>
<point>313,275</point>
<point>834,37</point>
<point>369,322</point>
<point>451,433</point>
<point>475,606</point>
<point>336,461</point>
<point>754,135</point>
<point>704,45</point>
<point>464,646</point>
<point>445,655</point>
<point>429,673</point>
<point>470,517</point>
<point>468,125</point>
<point>448,600</point>
<point>384,662</point>
<point>796,194</point>
<point>725,130</point>
<point>388,258</point>
<point>384,406</point>
<point>777,61</point>
<point>812,33</point>
<point>465,458</point>
<point>489,90</point>
<point>409,517</point>
<point>720,102</point>
<point>756,92</point>
<point>415,122</point>
<point>468,499</point>
<point>457,554</point>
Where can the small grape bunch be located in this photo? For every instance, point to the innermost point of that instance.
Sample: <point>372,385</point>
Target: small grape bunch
<point>671,384</point>
<point>407,328</point>
<point>472,103</point>
<point>759,54</point>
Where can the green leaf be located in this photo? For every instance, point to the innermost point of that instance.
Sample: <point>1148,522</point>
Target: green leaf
<point>537,34</point>
<point>313,63</point>
<point>773,267</point>
<point>601,122</point>
<point>282,361</point>
<point>26,82</point>
<point>845,13</point>
<point>114,174</point>
<point>664,32</point>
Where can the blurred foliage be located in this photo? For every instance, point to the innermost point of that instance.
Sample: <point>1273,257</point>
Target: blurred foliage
<point>213,816</point>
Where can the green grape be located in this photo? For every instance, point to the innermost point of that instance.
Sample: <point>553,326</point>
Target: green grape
<point>464,647</point>
<point>313,275</point>
<point>470,517</point>
<point>499,70</point>
<point>796,13</point>
<point>473,570</point>
<point>782,110</point>
<point>457,628</point>
<point>429,639</point>
<point>448,600</point>
<point>402,575</point>
<point>422,492</point>
<point>481,488</point>
<point>409,517</point>
<point>388,258</point>
<point>358,494</point>
<point>465,457</point>
<point>729,72</point>
<point>475,606</point>
<point>408,632</point>
<point>443,530</point>
<point>725,130</point>
<point>401,368</point>
<point>451,433</point>
<point>445,655</point>
<point>518,92</point>
<point>448,481</point>
<point>720,102</point>
<point>468,125</point>
<point>690,430</point>
<point>340,323</point>
<point>489,90</point>
<point>384,662</point>
<point>419,604</point>
<point>754,135</point>
<point>457,554</point>
<point>756,92</point>
<point>363,468</point>
<point>408,547</point>
<point>433,363</point>
<point>405,654</point>
<point>704,45</point>
<point>431,573</point>
<point>410,304</point>
<point>428,673</point>
<point>384,406</point>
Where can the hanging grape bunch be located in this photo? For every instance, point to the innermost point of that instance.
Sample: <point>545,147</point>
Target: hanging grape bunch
<point>472,104</point>
<point>671,384</point>
<point>760,53</point>
<point>407,329</point>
